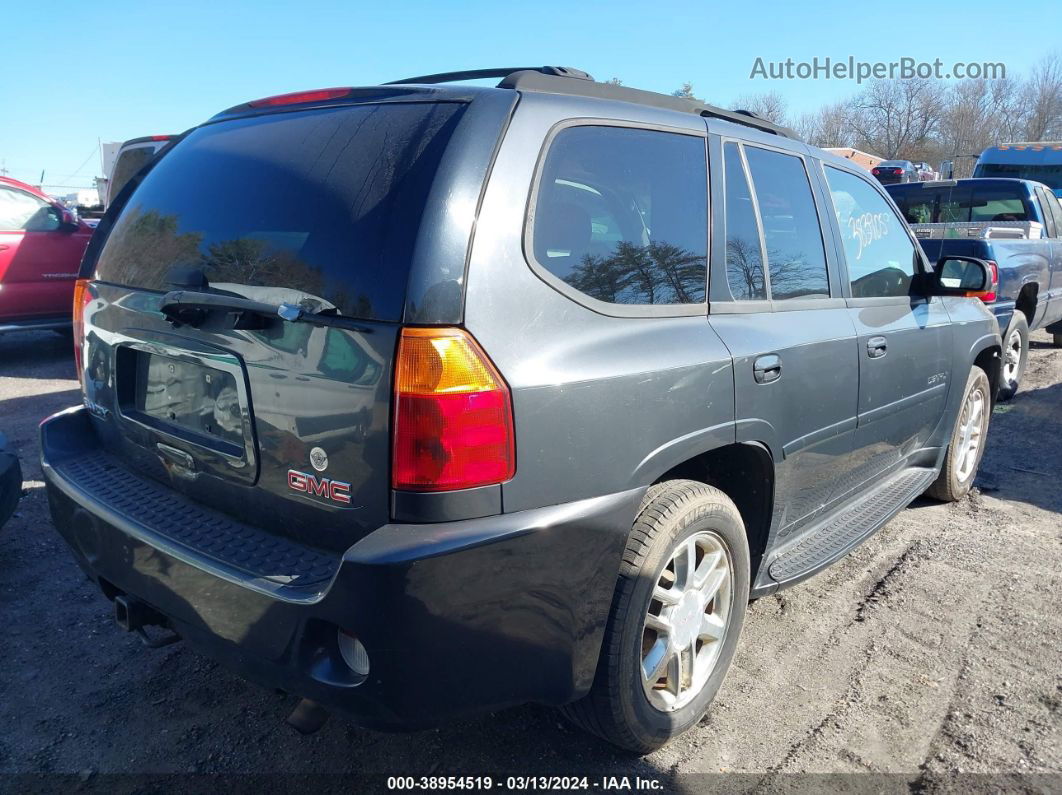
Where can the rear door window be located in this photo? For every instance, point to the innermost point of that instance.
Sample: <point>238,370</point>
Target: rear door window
<point>621,215</point>
<point>744,255</point>
<point>325,203</point>
<point>796,257</point>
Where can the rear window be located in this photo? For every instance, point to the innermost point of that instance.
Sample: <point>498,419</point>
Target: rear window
<point>961,204</point>
<point>128,163</point>
<point>326,202</point>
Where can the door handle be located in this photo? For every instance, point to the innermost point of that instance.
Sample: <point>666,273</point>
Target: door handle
<point>767,369</point>
<point>877,347</point>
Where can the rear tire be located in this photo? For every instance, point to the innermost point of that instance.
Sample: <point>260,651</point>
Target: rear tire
<point>971,428</point>
<point>662,619</point>
<point>1057,340</point>
<point>1015,356</point>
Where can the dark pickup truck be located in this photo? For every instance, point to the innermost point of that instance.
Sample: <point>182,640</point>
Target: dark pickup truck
<point>1014,223</point>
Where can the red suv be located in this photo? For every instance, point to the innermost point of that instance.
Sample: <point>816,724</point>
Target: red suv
<point>41,243</point>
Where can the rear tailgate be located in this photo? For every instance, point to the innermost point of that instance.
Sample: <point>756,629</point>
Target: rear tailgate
<point>283,425</point>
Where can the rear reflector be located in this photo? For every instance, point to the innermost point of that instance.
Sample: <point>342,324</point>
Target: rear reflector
<point>82,298</point>
<point>299,97</point>
<point>453,414</point>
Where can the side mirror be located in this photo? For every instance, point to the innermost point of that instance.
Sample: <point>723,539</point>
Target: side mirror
<point>967,277</point>
<point>67,220</point>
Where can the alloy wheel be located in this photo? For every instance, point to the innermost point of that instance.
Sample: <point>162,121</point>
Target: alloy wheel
<point>687,621</point>
<point>971,429</point>
<point>1012,357</point>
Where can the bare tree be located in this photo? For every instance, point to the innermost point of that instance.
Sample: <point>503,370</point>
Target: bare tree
<point>1044,100</point>
<point>686,92</point>
<point>827,126</point>
<point>891,116</point>
<point>771,106</point>
<point>614,81</point>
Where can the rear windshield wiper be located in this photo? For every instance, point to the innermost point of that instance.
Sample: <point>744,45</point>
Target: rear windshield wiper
<point>190,307</point>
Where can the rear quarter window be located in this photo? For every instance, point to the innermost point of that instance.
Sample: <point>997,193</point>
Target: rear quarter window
<point>621,215</point>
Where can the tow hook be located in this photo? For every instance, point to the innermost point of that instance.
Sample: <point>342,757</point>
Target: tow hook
<point>132,615</point>
<point>308,716</point>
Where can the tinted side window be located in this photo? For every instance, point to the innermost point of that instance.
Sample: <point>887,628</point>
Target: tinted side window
<point>622,215</point>
<point>879,253</point>
<point>796,259</point>
<point>21,211</point>
<point>1049,207</point>
<point>744,260</point>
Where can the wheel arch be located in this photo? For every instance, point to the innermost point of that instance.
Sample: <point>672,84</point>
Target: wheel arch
<point>989,358</point>
<point>1028,297</point>
<point>745,472</point>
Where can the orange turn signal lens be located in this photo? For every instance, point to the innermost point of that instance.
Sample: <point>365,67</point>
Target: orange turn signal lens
<point>82,298</point>
<point>442,361</point>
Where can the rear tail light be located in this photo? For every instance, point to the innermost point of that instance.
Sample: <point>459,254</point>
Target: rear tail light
<point>82,298</point>
<point>897,171</point>
<point>875,171</point>
<point>990,296</point>
<point>453,414</point>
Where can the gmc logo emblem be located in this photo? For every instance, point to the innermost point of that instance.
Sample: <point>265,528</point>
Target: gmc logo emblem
<point>333,490</point>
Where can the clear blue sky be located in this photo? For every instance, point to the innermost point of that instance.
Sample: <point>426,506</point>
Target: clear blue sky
<point>75,73</point>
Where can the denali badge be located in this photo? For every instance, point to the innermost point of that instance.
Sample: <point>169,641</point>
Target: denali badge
<point>319,459</point>
<point>333,490</point>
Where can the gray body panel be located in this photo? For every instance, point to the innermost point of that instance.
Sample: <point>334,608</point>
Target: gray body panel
<point>604,403</point>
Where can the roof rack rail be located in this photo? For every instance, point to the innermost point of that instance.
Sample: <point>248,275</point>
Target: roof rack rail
<point>479,74</point>
<point>575,82</point>
<point>537,80</point>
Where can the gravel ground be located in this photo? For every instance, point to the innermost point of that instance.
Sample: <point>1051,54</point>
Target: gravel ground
<point>931,656</point>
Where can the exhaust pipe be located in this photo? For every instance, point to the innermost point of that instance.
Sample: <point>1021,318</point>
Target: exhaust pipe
<point>307,717</point>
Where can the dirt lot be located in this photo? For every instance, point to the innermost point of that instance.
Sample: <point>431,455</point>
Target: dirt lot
<point>932,653</point>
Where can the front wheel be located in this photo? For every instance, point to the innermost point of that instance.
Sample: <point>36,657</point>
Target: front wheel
<point>676,616</point>
<point>967,445</point>
<point>1015,356</point>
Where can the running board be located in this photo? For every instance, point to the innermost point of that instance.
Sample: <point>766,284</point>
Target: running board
<point>843,531</point>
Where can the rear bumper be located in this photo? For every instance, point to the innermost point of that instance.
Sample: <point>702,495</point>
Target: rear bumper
<point>457,617</point>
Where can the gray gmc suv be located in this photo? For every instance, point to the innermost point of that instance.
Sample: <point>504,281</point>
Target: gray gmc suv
<point>421,399</point>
